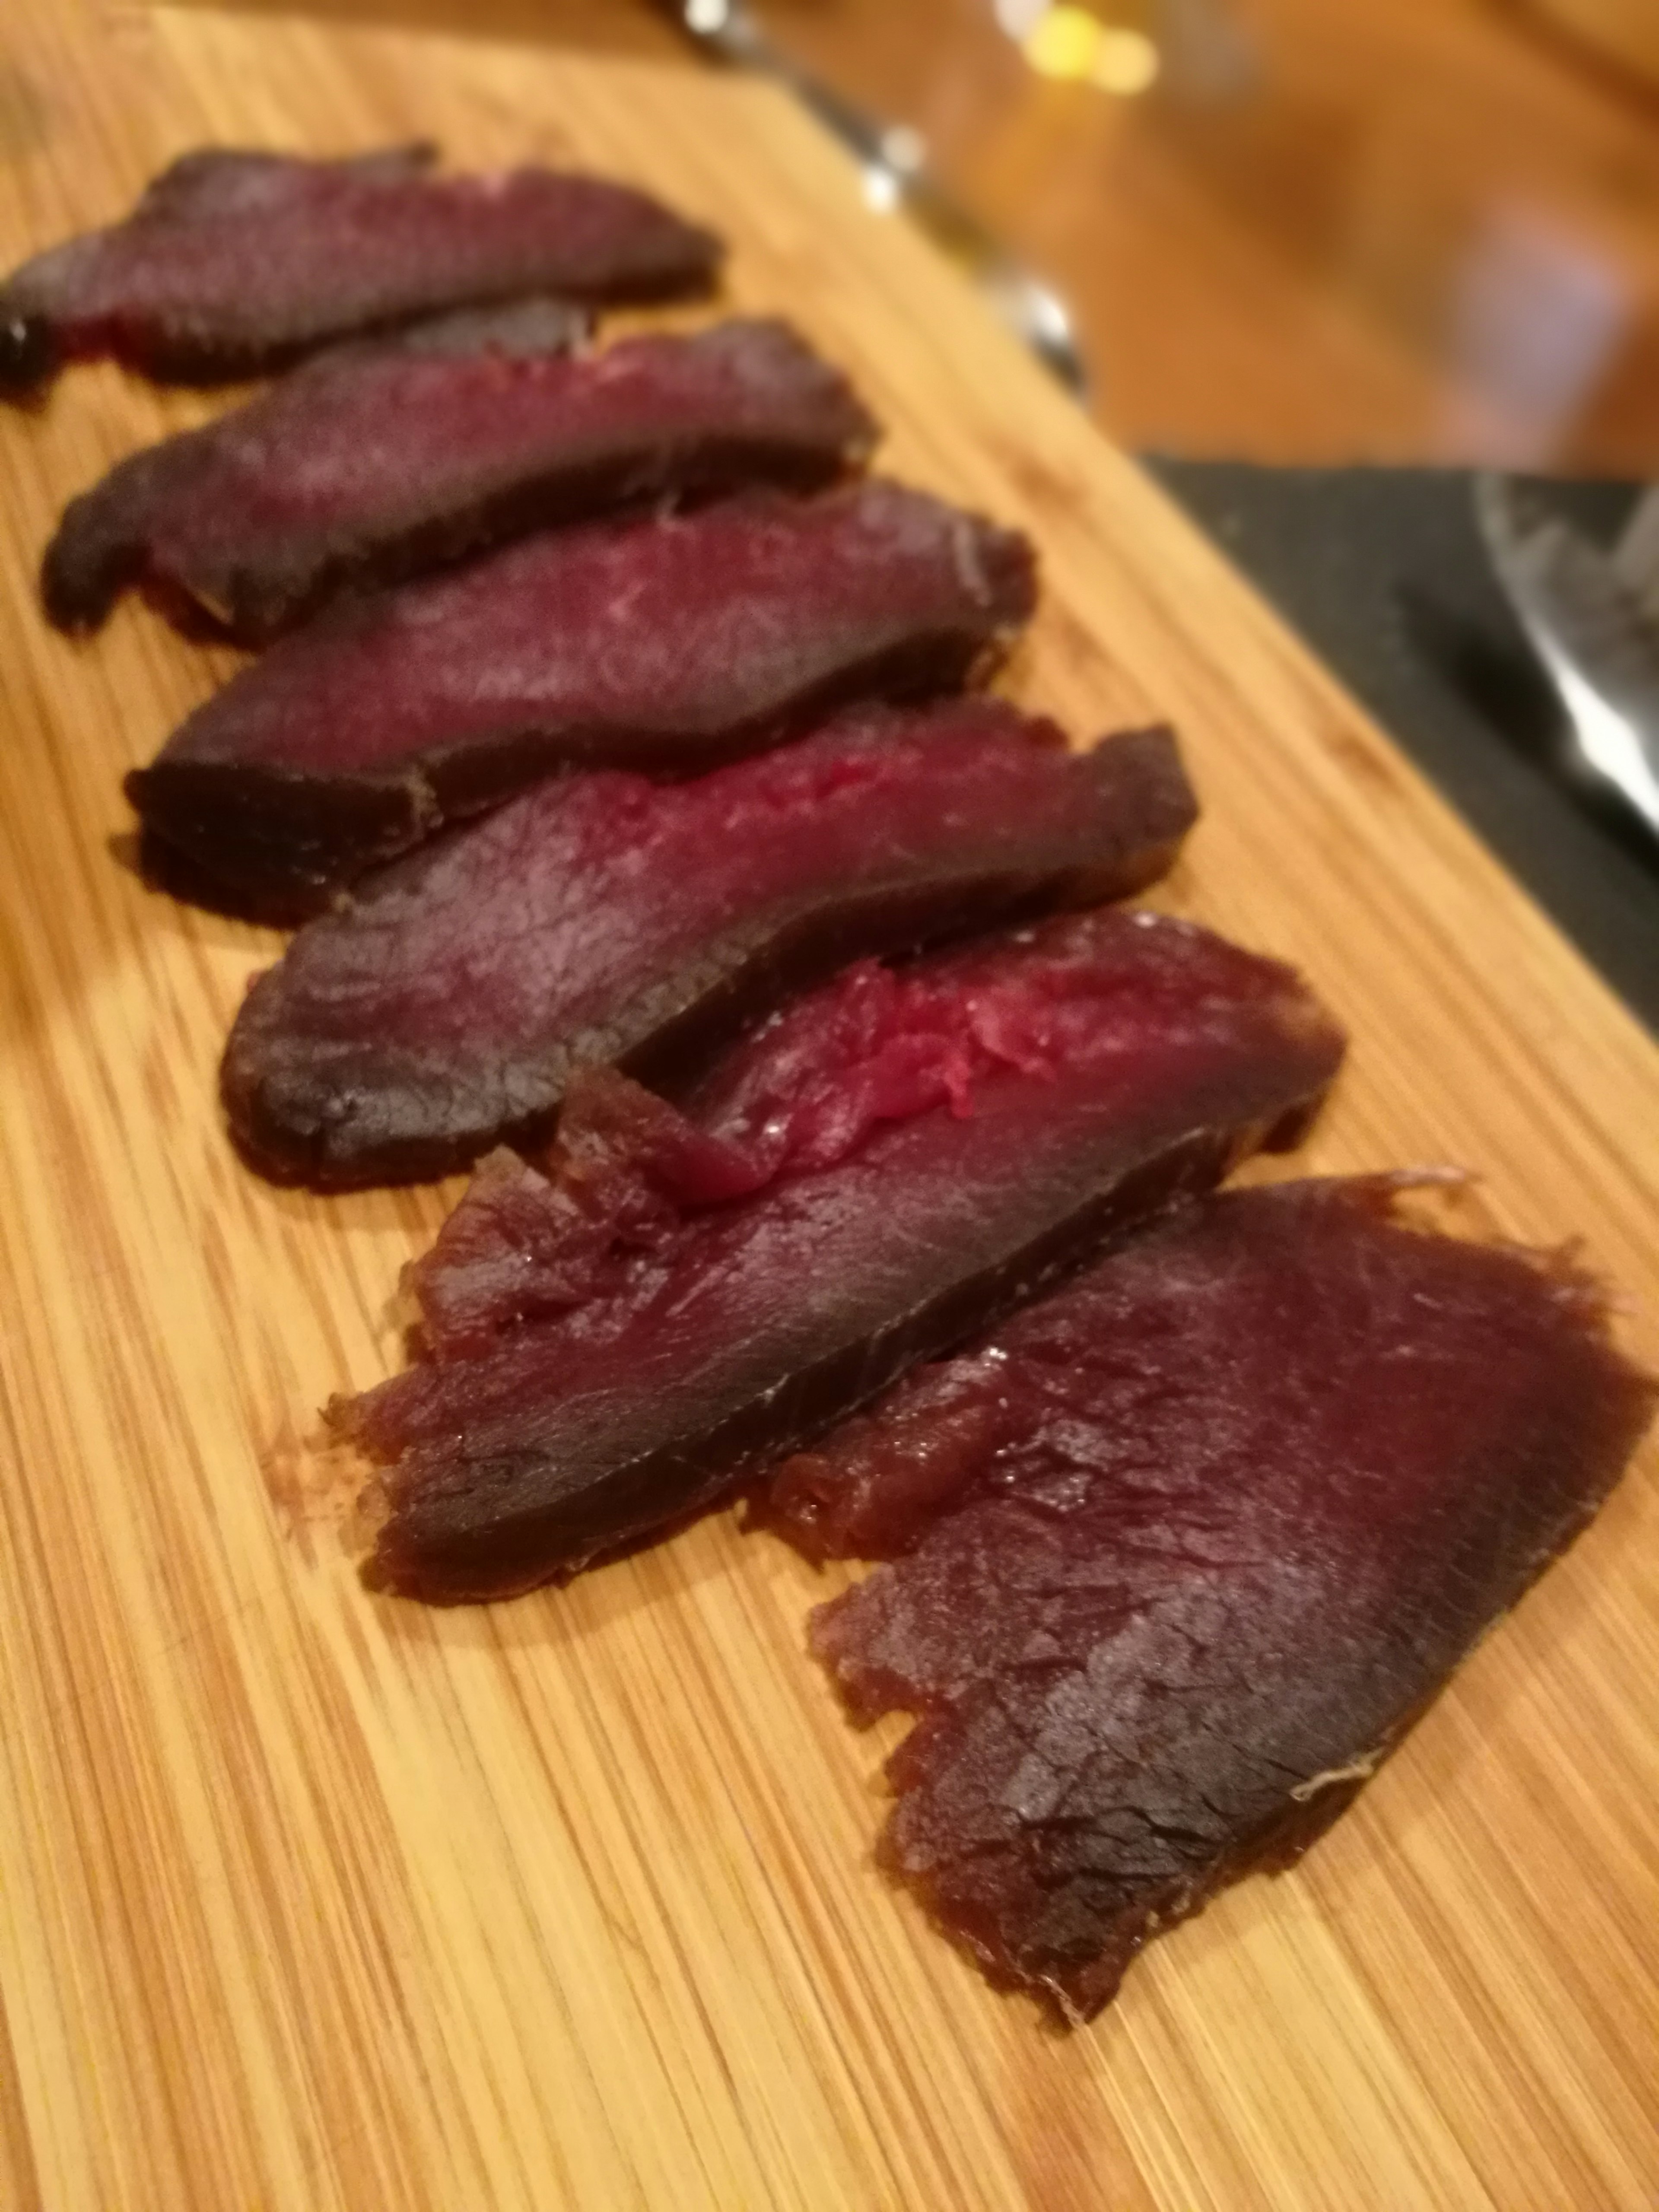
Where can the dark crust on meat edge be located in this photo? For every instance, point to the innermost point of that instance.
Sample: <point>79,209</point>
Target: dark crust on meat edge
<point>295,840</point>
<point>195,365</point>
<point>80,585</point>
<point>750,1439</point>
<point>1273,1848</point>
<point>32,357</point>
<point>103,542</point>
<point>296,1145</point>
<point>902,1641</point>
<point>96,555</point>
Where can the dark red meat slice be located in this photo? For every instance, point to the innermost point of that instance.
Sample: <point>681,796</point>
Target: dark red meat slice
<point>375,462</point>
<point>601,918</point>
<point>667,645</point>
<point>234,262</point>
<point>1186,1547</point>
<point>878,1170</point>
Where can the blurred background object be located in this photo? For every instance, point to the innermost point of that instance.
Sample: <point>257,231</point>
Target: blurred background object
<point>1305,231</point>
<point>898,178</point>
<point>1624,32</point>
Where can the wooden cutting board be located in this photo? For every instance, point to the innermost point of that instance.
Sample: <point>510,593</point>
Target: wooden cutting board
<point>311,1900</point>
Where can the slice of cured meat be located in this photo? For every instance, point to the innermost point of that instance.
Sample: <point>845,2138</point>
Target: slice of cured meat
<point>603,918</point>
<point>373,463</point>
<point>680,1297</point>
<point>1184,1549</point>
<point>234,262</point>
<point>668,645</point>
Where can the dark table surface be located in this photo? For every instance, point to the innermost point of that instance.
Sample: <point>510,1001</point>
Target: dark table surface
<point>1383,573</point>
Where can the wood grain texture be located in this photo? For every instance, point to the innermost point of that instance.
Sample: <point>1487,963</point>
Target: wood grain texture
<point>309,1900</point>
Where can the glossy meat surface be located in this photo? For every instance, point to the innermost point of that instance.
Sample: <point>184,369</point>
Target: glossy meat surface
<point>888,1164</point>
<point>667,645</point>
<point>373,463</point>
<point>233,262</point>
<point>605,919</point>
<point>1180,1552</point>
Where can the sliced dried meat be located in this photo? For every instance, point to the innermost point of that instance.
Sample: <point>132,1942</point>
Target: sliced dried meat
<point>235,263</point>
<point>603,918</point>
<point>1184,1549</point>
<point>667,645</point>
<point>372,464</point>
<point>613,1343</point>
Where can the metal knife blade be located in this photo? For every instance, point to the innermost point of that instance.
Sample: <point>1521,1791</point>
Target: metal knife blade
<point>1592,632</point>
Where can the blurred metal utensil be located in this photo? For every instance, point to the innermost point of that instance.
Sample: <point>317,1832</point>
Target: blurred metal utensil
<point>1635,556</point>
<point>894,161</point>
<point>1589,625</point>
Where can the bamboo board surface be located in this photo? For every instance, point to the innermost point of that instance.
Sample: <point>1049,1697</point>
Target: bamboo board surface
<point>311,1900</point>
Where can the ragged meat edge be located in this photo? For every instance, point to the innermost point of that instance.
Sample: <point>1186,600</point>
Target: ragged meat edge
<point>1310,1807</point>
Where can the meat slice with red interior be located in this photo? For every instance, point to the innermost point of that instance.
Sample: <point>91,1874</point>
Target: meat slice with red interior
<point>375,462</point>
<point>605,919</point>
<point>1179,1553</point>
<point>234,262</point>
<point>614,1341</point>
<point>665,646</point>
